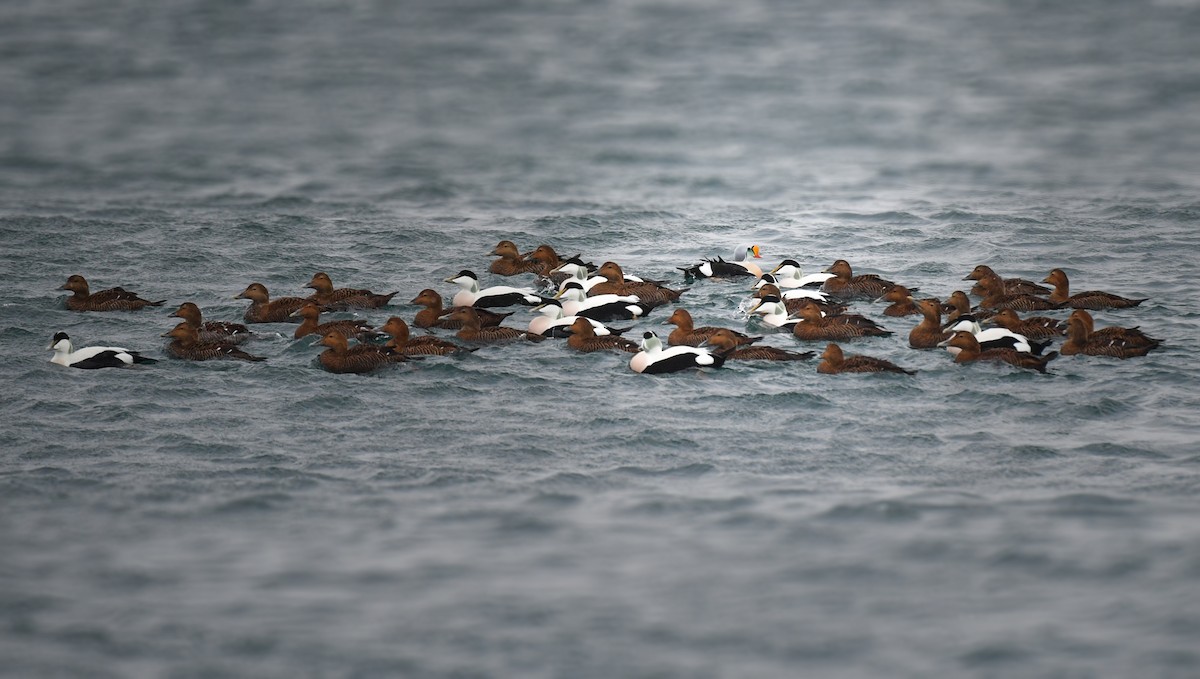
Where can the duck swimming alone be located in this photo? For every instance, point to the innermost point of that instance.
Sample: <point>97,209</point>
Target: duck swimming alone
<point>654,360</point>
<point>185,344</point>
<point>719,268</point>
<point>1092,299</point>
<point>834,361</point>
<point>686,333</point>
<point>212,331</point>
<point>263,309</point>
<point>344,298</point>
<point>113,299</point>
<point>495,296</point>
<point>91,358</point>
<point>726,343</point>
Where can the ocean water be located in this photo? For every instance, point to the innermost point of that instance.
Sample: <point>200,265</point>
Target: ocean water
<point>525,511</point>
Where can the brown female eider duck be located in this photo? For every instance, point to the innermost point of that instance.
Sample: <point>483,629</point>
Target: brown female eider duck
<point>344,298</point>
<point>994,297</point>
<point>1012,286</point>
<point>434,316</point>
<point>833,361</point>
<point>340,357</point>
<point>647,292</point>
<point>726,342</point>
<point>510,262</point>
<point>901,302</point>
<point>423,345</point>
<point>185,343</point>
<point>113,299</point>
<point>928,333</point>
<point>472,331</point>
<point>212,331</point>
<point>958,304</point>
<point>1081,340</point>
<point>1092,299</point>
<point>1033,327</point>
<point>263,309</point>
<point>846,286</point>
<point>969,351</point>
<point>814,326</point>
<point>1132,336</point>
<point>686,333</point>
<point>312,325</point>
<point>583,338</point>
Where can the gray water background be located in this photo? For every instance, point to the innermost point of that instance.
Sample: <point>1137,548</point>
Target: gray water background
<point>525,511</point>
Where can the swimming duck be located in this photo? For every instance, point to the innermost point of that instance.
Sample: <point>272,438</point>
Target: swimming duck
<point>495,296</point>
<point>1011,286</point>
<point>654,360</point>
<point>600,307</point>
<point>185,343</point>
<point>774,313</point>
<point>901,302</point>
<point>340,357</point>
<point>549,260</point>
<point>647,292</point>
<point>834,361</point>
<point>472,331</point>
<point>577,273</point>
<point>1092,299</point>
<point>344,298</point>
<point>844,285</point>
<point>1080,340</point>
<point>402,342</point>
<point>727,343</point>
<point>719,268</point>
<point>433,316</point>
<point>994,297</point>
<point>928,333</point>
<point>958,304</point>
<point>511,262</point>
<point>91,358</point>
<point>685,331</point>
<point>113,299</point>
<point>814,326</point>
<point>312,325</point>
<point>584,338</point>
<point>263,309</point>
<point>789,275</point>
<point>1033,327</point>
<point>552,322</point>
<point>994,338</point>
<point>1130,336</point>
<point>969,350</point>
<point>795,298</point>
<point>212,331</point>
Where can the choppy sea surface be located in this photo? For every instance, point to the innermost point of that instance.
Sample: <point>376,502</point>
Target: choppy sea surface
<point>525,511</point>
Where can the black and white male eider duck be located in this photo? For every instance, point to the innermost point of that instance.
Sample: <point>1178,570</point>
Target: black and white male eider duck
<point>720,268</point>
<point>553,322</point>
<point>113,299</point>
<point>185,343</point>
<point>726,343</point>
<point>968,351</point>
<point>1092,299</point>
<point>835,361</point>
<point>90,358</point>
<point>212,331</point>
<point>344,298</point>
<point>654,360</point>
<point>263,309</point>
<point>600,307</point>
<point>994,338</point>
<point>788,275</point>
<point>494,296</point>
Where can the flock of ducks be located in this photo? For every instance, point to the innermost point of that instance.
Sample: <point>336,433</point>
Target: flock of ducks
<point>582,303</point>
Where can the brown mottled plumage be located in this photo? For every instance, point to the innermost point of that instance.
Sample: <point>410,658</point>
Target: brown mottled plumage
<point>1012,286</point>
<point>344,298</point>
<point>472,331</point>
<point>845,285</point>
<point>648,293</point>
<point>958,304</point>
<point>1092,299</point>
<point>686,333</point>
<point>834,361</point>
<point>995,298</point>
<point>583,338</point>
<point>340,357</point>
<point>312,325</point>
<point>726,342</point>
<point>263,309</point>
<point>969,350</point>
<point>1081,340</point>
<point>814,326</point>
<point>928,333</point>
<point>1131,336</point>
<point>185,343</point>
<point>113,299</point>
<point>433,316</point>
<point>1033,327</point>
<point>901,302</point>
<point>510,262</point>
<point>212,331</point>
<point>402,342</point>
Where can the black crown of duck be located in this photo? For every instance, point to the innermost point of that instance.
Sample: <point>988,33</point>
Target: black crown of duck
<point>113,299</point>
<point>344,298</point>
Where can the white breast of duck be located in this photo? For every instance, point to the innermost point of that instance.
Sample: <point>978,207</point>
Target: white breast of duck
<point>789,275</point>
<point>654,359</point>
<point>90,358</point>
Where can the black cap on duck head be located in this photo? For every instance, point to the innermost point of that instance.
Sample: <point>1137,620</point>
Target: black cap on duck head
<point>792,262</point>
<point>466,272</point>
<point>58,337</point>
